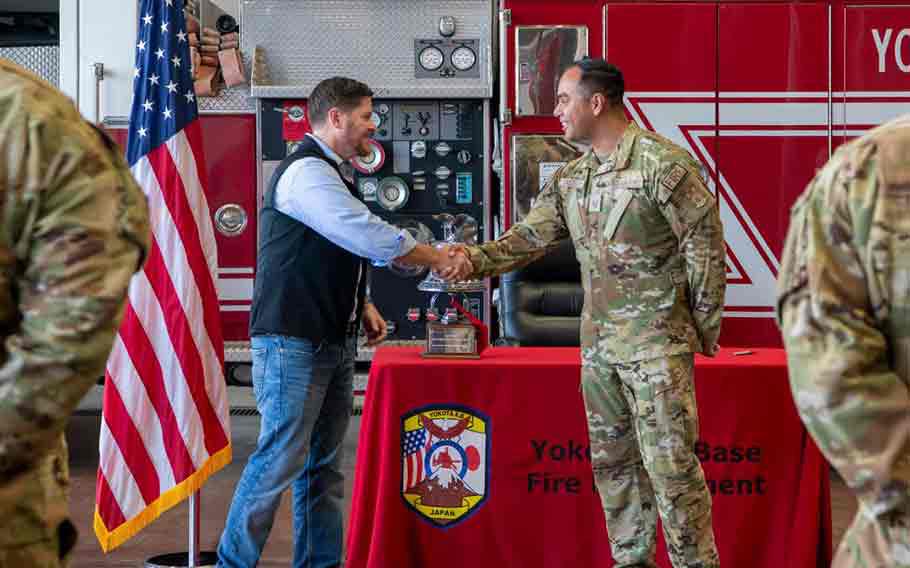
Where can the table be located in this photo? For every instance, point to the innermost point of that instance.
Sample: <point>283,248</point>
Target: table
<point>483,463</point>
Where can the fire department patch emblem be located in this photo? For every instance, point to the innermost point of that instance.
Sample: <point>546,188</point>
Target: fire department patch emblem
<point>445,462</point>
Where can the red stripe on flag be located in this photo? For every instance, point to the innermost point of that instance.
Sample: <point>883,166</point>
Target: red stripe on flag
<point>415,469</point>
<point>140,349</point>
<point>185,348</point>
<point>107,506</point>
<point>133,449</point>
<point>174,194</point>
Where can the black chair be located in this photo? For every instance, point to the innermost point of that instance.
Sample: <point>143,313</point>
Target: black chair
<point>540,304</point>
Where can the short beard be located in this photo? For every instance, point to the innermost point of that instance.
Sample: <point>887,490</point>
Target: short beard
<point>365,150</point>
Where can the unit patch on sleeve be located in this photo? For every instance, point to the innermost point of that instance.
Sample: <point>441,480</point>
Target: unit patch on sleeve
<point>672,180</point>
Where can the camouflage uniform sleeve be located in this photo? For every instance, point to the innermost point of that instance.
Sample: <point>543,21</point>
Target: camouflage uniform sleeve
<point>528,240</point>
<point>843,270</point>
<point>694,217</point>
<point>77,225</point>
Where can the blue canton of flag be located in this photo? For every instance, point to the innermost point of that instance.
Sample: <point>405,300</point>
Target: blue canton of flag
<point>163,97</point>
<point>413,448</point>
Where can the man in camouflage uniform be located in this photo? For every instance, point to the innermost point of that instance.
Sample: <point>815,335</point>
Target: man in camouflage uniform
<point>74,229</point>
<point>844,311</point>
<point>649,239</point>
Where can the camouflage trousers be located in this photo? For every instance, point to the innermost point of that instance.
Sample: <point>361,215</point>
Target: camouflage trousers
<point>867,440</point>
<point>876,541</point>
<point>34,528</point>
<point>643,424</point>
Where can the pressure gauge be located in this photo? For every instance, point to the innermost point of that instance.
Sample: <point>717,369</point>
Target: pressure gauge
<point>463,58</point>
<point>431,58</point>
<point>371,162</point>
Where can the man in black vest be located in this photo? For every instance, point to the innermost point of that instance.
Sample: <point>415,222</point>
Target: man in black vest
<point>308,302</point>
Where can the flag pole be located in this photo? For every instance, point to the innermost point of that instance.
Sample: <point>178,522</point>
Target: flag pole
<point>195,514</point>
<point>193,557</point>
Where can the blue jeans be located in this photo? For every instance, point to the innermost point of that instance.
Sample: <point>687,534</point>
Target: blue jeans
<point>304,394</point>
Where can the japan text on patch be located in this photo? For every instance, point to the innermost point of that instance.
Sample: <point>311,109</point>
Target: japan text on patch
<point>672,180</point>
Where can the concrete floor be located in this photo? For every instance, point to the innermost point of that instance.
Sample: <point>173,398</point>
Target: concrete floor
<point>169,532</point>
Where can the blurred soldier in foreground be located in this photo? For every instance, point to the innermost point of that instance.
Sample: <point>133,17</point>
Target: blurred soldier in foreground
<point>74,229</point>
<point>647,233</point>
<point>844,311</point>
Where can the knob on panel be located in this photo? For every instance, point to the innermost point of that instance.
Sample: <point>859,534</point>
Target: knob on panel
<point>231,219</point>
<point>393,193</point>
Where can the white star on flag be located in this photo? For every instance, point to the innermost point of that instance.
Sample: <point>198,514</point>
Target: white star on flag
<point>189,96</point>
<point>164,27</point>
<point>172,87</point>
<point>147,19</point>
<point>141,45</point>
<point>168,113</point>
<point>181,35</point>
<point>142,132</point>
<point>176,61</point>
<point>147,105</point>
<point>154,79</point>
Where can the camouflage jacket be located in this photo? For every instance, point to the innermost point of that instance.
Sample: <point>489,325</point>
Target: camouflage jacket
<point>844,311</point>
<point>74,230</point>
<point>647,233</point>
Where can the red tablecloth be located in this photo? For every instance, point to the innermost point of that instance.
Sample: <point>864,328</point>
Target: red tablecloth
<point>506,436</point>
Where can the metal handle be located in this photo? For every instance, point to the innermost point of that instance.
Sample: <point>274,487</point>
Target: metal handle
<point>99,77</point>
<point>505,113</point>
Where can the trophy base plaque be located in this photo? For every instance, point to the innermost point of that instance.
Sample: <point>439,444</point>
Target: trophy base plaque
<point>451,341</point>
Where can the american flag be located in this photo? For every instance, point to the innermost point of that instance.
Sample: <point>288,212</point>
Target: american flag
<point>414,445</point>
<point>165,426</point>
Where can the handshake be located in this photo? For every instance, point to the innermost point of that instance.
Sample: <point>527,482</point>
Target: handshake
<point>451,263</point>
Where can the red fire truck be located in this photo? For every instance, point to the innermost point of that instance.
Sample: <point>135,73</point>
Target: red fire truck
<point>760,92</point>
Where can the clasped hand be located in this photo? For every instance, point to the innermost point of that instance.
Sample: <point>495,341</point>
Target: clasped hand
<point>452,263</point>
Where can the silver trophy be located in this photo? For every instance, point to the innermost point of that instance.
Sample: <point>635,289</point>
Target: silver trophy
<point>457,230</point>
<point>447,334</point>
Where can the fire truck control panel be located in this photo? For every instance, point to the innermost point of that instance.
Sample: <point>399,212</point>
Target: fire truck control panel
<point>428,158</point>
